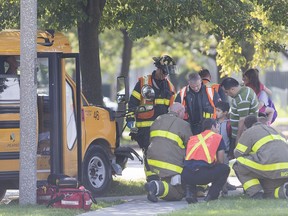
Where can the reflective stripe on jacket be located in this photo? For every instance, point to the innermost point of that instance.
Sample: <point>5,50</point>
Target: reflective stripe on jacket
<point>203,146</point>
<point>169,135</point>
<point>210,94</point>
<point>215,86</point>
<point>264,151</point>
<point>160,103</point>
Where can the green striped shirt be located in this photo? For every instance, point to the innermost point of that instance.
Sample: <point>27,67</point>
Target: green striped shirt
<point>243,104</point>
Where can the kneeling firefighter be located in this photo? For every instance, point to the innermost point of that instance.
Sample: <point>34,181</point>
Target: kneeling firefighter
<point>165,155</point>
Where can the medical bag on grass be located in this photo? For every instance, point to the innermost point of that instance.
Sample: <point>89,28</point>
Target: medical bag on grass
<point>44,194</point>
<point>75,198</point>
<point>62,191</point>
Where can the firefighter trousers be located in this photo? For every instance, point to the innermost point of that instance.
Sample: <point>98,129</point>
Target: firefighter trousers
<point>216,174</point>
<point>253,182</point>
<point>169,192</point>
<point>143,140</point>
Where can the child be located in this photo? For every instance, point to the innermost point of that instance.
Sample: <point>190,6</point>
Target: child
<point>222,110</point>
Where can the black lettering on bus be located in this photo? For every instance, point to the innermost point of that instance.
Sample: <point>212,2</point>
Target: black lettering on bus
<point>96,115</point>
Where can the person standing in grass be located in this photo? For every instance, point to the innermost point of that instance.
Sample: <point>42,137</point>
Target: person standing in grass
<point>244,102</point>
<point>199,102</point>
<point>161,96</point>
<point>206,79</point>
<point>266,106</point>
<point>222,112</point>
<point>261,161</point>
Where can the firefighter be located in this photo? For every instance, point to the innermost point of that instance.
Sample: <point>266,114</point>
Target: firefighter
<point>261,161</point>
<point>165,155</point>
<point>206,79</point>
<point>204,162</point>
<point>156,90</point>
<point>198,100</point>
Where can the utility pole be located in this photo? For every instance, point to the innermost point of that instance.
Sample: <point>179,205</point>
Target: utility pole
<point>28,102</point>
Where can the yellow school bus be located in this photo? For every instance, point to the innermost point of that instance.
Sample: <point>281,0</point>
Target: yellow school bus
<point>75,138</point>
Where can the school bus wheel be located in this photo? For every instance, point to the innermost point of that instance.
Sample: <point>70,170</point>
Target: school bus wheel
<point>2,193</point>
<point>97,171</point>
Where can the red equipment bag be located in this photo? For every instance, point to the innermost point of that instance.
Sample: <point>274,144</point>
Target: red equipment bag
<point>76,198</point>
<point>44,193</point>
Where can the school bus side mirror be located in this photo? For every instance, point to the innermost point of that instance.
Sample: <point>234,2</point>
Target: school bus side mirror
<point>122,90</point>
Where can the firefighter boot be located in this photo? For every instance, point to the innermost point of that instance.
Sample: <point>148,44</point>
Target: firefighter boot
<point>258,195</point>
<point>230,187</point>
<point>209,198</point>
<point>151,188</point>
<point>224,191</point>
<point>190,197</point>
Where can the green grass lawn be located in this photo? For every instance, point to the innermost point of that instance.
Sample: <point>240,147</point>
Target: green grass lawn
<point>226,206</point>
<point>235,206</point>
<point>126,188</point>
<point>14,209</point>
<point>118,188</point>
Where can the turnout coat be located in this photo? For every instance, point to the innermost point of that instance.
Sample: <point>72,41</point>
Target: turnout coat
<point>169,135</point>
<point>262,150</point>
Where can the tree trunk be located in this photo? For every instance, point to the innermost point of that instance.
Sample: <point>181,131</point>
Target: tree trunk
<point>126,54</point>
<point>88,31</point>
<point>284,53</point>
<point>248,51</point>
<point>126,59</point>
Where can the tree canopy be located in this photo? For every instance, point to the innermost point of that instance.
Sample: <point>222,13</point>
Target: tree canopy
<point>246,31</point>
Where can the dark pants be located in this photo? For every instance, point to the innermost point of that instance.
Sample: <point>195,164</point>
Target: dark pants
<point>142,137</point>
<point>143,140</point>
<point>196,128</point>
<point>217,175</point>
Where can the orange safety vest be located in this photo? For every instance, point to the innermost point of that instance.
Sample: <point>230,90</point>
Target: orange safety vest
<point>210,94</point>
<point>215,86</point>
<point>147,80</point>
<point>203,146</point>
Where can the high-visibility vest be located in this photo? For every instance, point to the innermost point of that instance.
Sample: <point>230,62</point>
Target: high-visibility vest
<point>203,146</point>
<point>210,94</point>
<point>147,80</point>
<point>215,86</point>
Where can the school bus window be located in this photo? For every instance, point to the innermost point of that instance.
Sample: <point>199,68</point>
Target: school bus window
<point>9,90</point>
<point>43,76</point>
<point>70,67</point>
<point>9,64</point>
<point>70,117</point>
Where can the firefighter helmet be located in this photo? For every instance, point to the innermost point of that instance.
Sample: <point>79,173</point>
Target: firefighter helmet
<point>166,64</point>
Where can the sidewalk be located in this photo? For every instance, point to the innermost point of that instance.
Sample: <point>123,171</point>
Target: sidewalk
<point>140,206</point>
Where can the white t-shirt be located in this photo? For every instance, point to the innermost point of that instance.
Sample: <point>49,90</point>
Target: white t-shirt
<point>263,97</point>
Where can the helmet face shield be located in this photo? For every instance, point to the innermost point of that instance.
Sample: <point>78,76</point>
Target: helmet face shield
<point>169,69</point>
<point>166,64</point>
